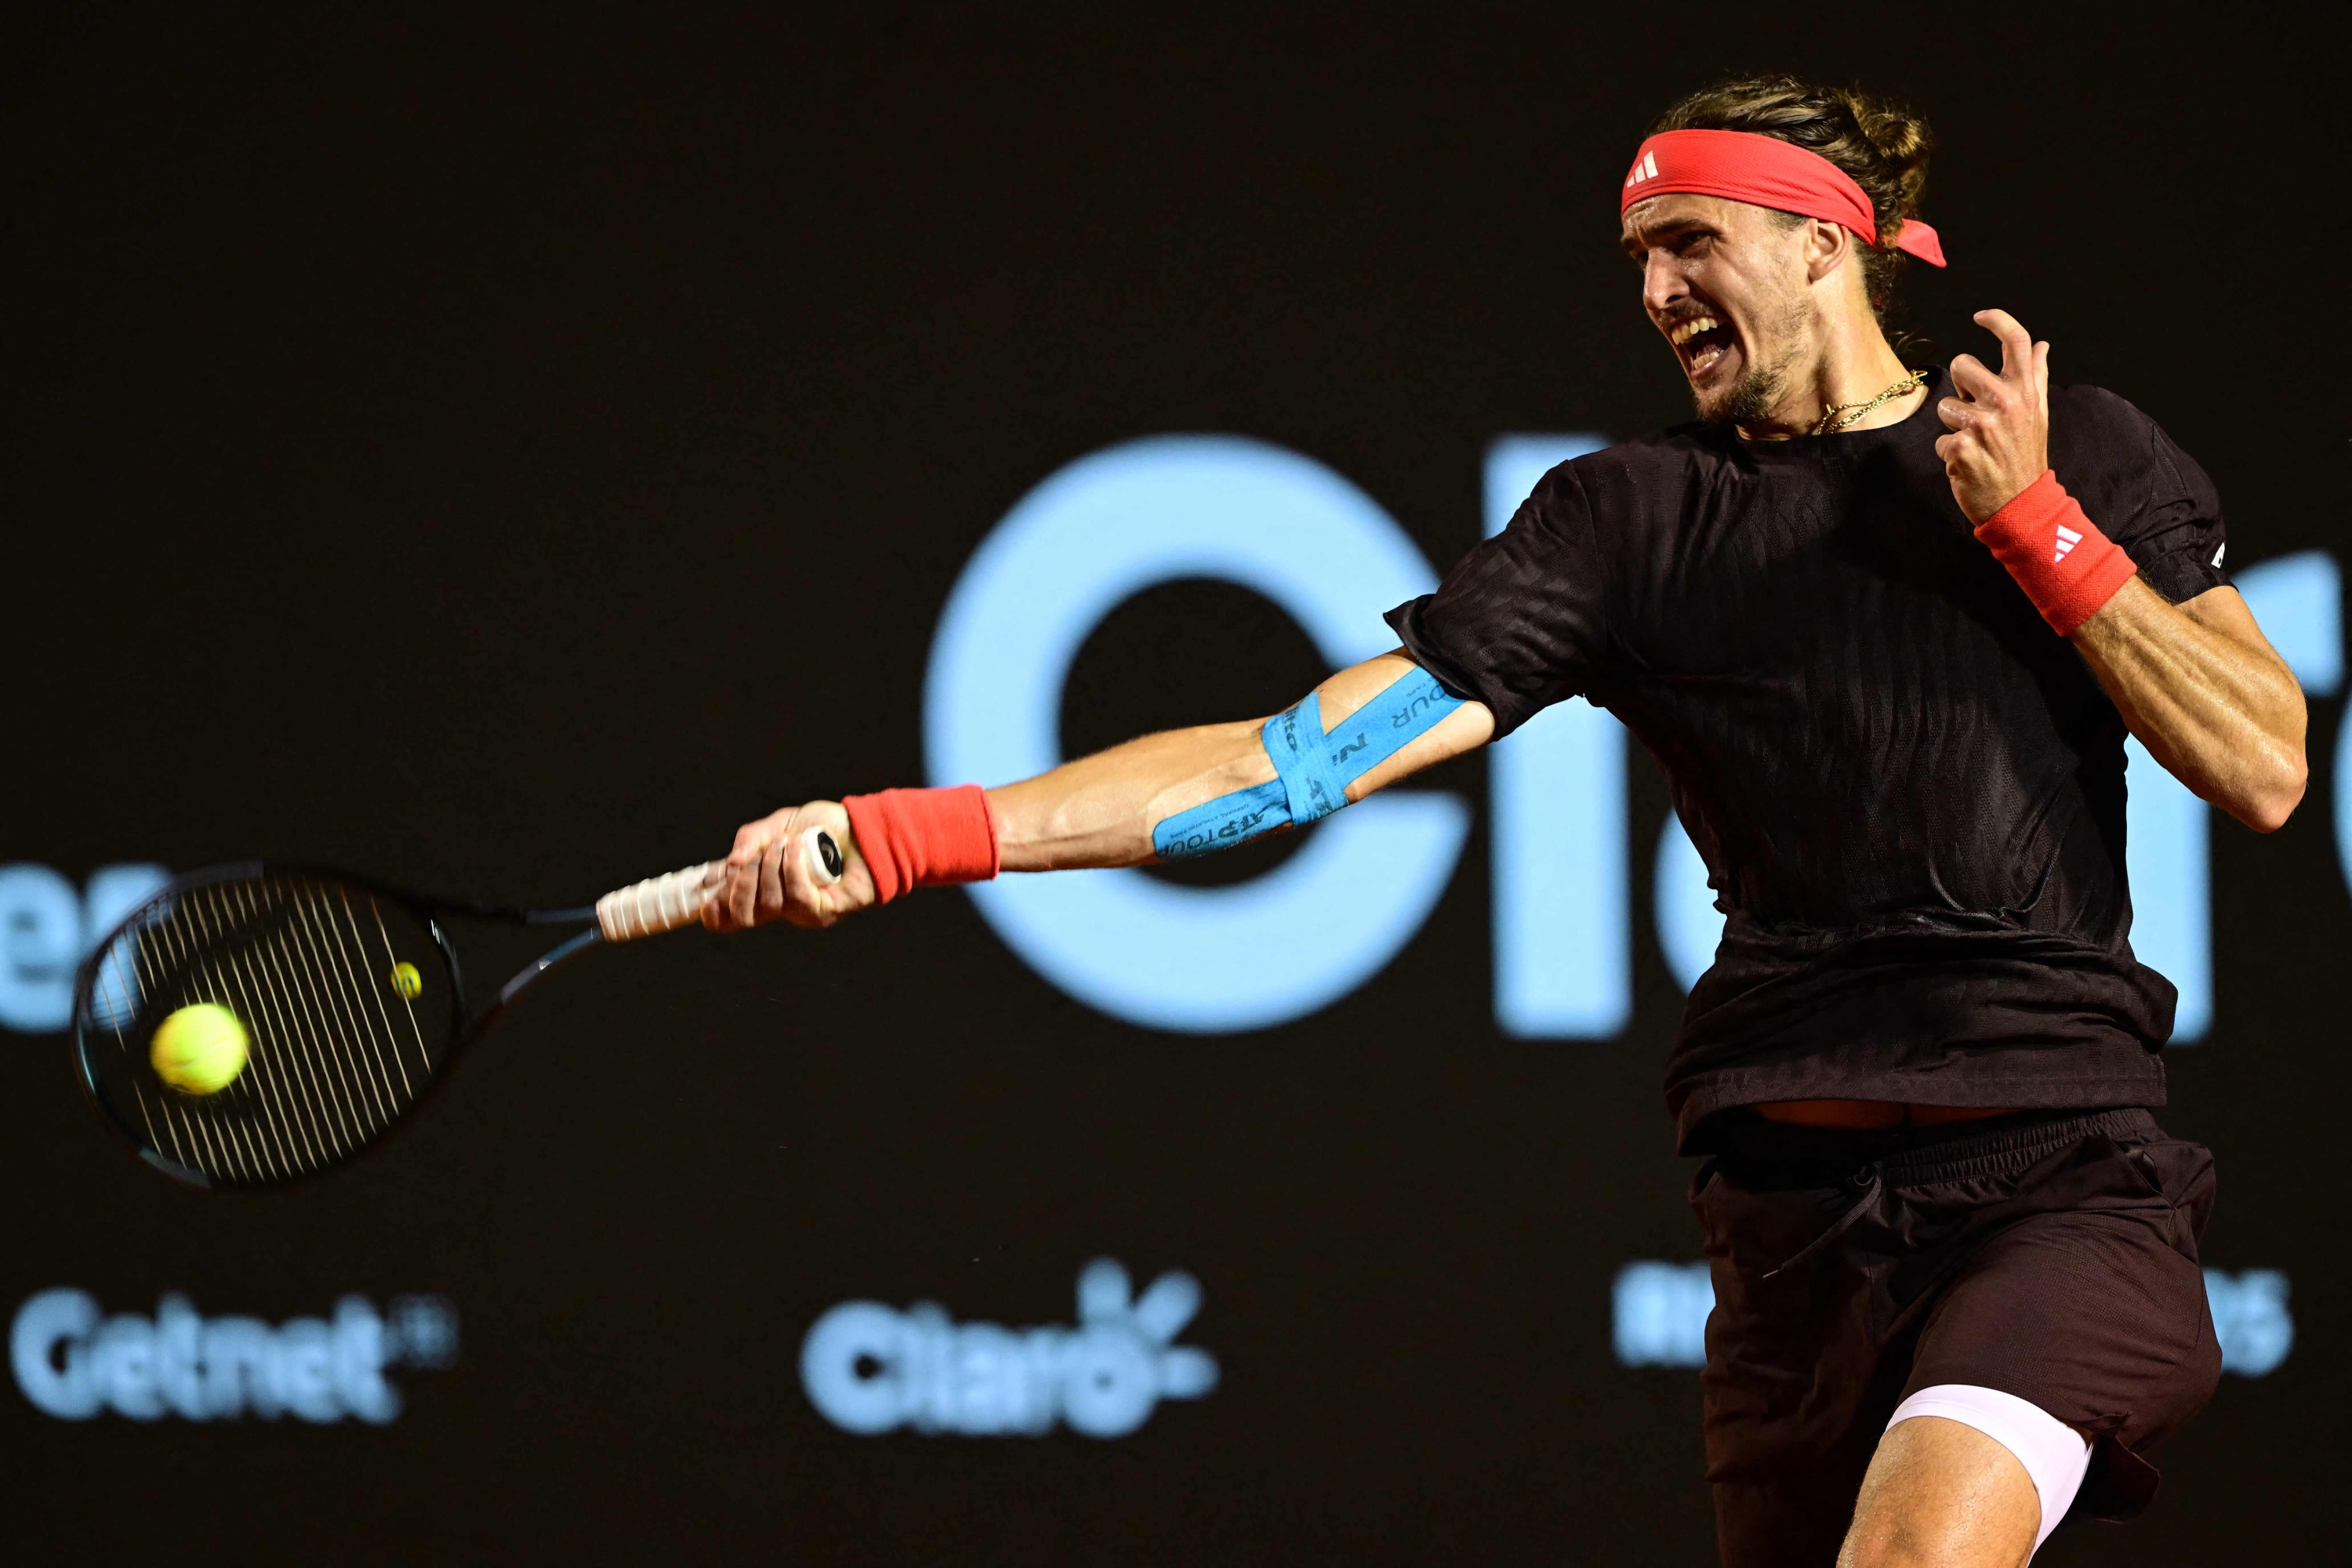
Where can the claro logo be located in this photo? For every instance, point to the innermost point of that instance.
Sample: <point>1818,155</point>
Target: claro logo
<point>870,1368</point>
<point>72,1362</point>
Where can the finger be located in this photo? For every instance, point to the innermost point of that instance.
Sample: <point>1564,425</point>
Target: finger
<point>2042,376</point>
<point>771,881</point>
<point>746,845</point>
<point>714,897</point>
<point>804,902</point>
<point>1973,379</point>
<point>1958,416</point>
<point>743,879</point>
<point>2016,344</point>
<point>749,838</point>
<point>719,901</point>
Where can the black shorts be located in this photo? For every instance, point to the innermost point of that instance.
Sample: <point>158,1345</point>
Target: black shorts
<point>2052,1256</point>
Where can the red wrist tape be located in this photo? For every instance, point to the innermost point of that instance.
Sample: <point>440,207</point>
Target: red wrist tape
<point>2066,566</point>
<point>924,837</point>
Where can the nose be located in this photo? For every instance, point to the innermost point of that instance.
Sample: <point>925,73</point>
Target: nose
<point>1662,283</point>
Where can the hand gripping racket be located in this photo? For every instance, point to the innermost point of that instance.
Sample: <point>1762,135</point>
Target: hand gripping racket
<point>351,996</point>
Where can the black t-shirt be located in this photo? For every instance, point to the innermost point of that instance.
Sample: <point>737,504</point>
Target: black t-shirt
<point>1909,791</point>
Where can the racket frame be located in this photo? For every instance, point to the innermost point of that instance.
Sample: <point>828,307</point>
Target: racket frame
<point>466,1025</point>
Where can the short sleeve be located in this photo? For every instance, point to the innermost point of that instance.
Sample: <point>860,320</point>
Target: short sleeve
<point>1516,623</point>
<point>2180,546</point>
<point>2145,493</point>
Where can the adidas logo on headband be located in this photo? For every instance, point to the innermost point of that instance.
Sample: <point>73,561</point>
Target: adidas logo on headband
<point>1747,166</point>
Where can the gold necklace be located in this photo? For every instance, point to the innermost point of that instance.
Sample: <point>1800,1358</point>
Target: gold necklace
<point>1831,423</point>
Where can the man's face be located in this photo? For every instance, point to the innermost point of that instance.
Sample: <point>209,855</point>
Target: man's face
<point>1727,283</point>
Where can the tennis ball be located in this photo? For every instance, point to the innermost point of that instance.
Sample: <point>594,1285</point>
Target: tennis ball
<point>406,980</point>
<point>199,1049</point>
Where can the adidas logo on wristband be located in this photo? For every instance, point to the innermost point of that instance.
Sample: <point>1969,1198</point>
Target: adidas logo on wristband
<point>2067,540</point>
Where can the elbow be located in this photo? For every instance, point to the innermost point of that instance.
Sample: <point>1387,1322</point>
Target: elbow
<point>2266,807</point>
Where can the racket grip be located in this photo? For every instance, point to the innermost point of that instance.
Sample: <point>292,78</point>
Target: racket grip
<point>653,906</point>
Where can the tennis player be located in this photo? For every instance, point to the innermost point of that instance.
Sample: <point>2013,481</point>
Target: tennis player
<point>1885,627</point>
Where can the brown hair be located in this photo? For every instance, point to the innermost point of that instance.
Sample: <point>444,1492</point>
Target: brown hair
<point>1882,145</point>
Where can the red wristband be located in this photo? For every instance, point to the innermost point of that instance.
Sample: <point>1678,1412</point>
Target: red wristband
<point>924,837</point>
<point>2066,566</point>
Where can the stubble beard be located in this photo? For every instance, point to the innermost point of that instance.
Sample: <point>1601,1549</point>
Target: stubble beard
<point>1756,391</point>
<point>1760,386</point>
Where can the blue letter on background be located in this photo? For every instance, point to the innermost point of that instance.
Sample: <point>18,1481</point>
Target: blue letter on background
<point>1563,939</point>
<point>1095,533</point>
<point>2165,854</point>
<point>1690,927</point>
<point>46,929</point>
<point>2298,599</point>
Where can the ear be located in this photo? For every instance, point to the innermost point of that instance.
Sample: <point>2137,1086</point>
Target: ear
<point>1828,246</point>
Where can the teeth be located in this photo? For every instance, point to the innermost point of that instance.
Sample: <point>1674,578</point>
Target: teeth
<point>1691,329</point>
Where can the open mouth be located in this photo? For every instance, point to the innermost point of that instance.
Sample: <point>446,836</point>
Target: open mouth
<point>1704,342</point>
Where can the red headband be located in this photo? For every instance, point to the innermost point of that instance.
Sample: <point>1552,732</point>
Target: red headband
<point>1769,173</point>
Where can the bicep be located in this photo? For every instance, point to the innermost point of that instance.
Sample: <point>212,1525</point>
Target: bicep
<point>1516,623</point>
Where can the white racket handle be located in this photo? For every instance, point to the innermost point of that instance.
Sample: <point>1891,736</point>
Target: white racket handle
<point>653,906</point>
<point>665,903</point>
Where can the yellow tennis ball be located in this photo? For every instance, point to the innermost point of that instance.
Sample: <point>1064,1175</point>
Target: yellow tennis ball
<point>199,1049</point>
<point>406,980</point>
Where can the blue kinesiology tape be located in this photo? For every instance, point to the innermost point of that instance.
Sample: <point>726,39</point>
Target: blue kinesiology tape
<point>1221,823</point>
<point>1409,707</point>
<point>1312,770</point>
<point>1294,739</point>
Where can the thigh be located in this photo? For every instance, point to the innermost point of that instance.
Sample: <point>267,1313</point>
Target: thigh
<point>2095,1313</point>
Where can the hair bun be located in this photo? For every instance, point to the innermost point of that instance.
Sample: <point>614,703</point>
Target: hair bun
<point>1901,138</point>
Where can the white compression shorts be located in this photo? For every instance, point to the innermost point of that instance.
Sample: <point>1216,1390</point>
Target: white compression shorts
<point>2054,1454</point>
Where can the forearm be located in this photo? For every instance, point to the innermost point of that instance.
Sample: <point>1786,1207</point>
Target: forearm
<point>1184,791</point>
<point>1100,810</point>
<point>2220,713</point>
<point>2196,682</point>
<point>1105,810</point>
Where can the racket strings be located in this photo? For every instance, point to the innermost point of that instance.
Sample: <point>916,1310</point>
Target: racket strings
<point>185,1139</point>
<point>217,1139</point>
<point>222,985</point>
<point>286,1069</point>
<point>303,965</point>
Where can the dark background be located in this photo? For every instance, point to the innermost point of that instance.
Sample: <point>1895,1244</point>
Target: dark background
<point>505,454</point>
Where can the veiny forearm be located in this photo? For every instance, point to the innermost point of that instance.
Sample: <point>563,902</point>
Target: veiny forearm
<point>1100,810</point>
<point>2205,694</point>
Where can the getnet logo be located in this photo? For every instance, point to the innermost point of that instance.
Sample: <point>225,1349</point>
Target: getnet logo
<point>869,1368</point>
<point>72,1362</point>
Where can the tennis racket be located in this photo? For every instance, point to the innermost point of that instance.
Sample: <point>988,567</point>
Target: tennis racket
<point>352,1000</point>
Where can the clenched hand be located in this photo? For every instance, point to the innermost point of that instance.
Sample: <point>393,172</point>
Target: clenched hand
<point>773,873</point>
